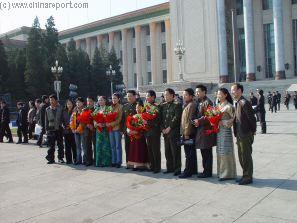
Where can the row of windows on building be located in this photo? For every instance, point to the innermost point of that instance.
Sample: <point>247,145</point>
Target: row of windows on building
<point>269,49</point>
<point>149,78</point>
<point>148,53</point>
<point>266,5</point>
<point>147,31</point>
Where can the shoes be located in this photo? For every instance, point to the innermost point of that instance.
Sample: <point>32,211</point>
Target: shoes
<point>51,162</point>
<point>88,164</point>
<point>77,163</point>
<point>25,142</point>
<point>224,179</point>
<point>113,165</point>
<point>19,142</point>
<point>167,171</point>
<point>156,171</point>
<point>10,141</point>
<point>203,175</point>
<point>68,162</point>
<point>61,161</point>
<point>118,165</point>
<point>183,176</point>
<point>177,173</point>
<point>245,181</point>
<point>238,180</point>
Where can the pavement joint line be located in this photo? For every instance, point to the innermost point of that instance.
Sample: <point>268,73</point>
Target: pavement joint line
<point>263,198</point>
<point>190,206</point>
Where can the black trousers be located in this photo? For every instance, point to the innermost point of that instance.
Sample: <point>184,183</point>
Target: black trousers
<point>191,160</point>
<point>5,131</point>
<point>278,106</point>
<point>154,151</point>
<point>22,133</point>
<point>31,129</point>
<point>274,108</point>
<point>70,148</point>
<point>52,138</point>
<point>207,160</point>
<point>127,144</point>
<point>172,153</point>
<point>88,150</point>
<point>262,120</point>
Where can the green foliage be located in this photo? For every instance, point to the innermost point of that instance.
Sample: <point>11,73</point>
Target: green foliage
<point>27,73</point>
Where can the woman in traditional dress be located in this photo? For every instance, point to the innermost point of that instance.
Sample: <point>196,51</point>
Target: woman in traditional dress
<point>138,153</point>
<point>115,137</point>
<point>103,152</point>
<point>225,149</point>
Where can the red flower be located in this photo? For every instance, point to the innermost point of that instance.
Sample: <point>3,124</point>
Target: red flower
<point>109,118</point>
<point>85,117</point>
<point>214,116</point>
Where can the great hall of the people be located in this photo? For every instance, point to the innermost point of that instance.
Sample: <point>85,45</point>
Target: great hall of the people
<point>262,48</point>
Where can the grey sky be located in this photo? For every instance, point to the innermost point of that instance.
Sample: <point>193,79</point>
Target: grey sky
<point>66,18</point>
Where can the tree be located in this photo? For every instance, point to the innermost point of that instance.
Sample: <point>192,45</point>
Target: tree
<point>98,75</point>
<point>115,63</point>
<point>36,64</point>
<point>16,81</point>
<point>4,68</point>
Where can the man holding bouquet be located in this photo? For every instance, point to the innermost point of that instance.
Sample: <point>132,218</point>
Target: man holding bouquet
<point>204,141</point>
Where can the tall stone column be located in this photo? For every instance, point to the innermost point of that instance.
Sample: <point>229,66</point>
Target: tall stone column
<point>222,42</point>
<point>153,45</point>
<point>78,43</point>
<point>138,42</point>
<point>125,57</point>
<point>168,50</point>
<point>88,46</point>
<point>279,39</point>
<point>249,40</point>
<point>111,40</point>
<point>99,41</point>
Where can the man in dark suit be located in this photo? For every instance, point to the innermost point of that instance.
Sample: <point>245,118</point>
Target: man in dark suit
<point>22,123</point>
<point>279,98</point>
<point>244,131</point>
<point>274,102</point>
<point>260,109</point>
<point>4,122</point>
<point>204,142</point>
<point>44,105</point>
<point>153,135</point>
<point>128,109</point>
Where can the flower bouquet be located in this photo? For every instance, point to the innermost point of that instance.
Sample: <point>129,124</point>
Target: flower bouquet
<point>85,117</point>
<point>110,116</point>
<point>214,116</point>
<point>150,112</point>
<point>136,124</point>
<point>98,117</point>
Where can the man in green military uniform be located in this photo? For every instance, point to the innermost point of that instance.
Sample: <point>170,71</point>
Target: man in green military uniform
<point>128,109</point>
<point>153,135</point>
<point>171,112</point>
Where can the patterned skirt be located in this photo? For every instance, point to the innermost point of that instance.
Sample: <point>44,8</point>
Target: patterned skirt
<point>226,165</point>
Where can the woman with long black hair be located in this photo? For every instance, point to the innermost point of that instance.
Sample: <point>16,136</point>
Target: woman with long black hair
<point>226,167</point>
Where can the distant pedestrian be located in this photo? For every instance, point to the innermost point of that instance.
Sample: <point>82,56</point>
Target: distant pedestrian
<point>287,100</point>
<point>274,103</point>
<point>31,119</point>
<point>22,123</point>
<point>269,100</point>
<point>4,122</point>
<point>295,99</point>
<point>279,98</point>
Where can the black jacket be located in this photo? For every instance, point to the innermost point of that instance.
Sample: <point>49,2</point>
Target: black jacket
<point>245,120</point>
<point>5,115</point>
<point>260,104</point>
<point>22,120</point>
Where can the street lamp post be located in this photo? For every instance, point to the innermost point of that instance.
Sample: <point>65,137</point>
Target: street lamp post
<point>179,51</point>
<point>110,73</point>
<point>57,72</point>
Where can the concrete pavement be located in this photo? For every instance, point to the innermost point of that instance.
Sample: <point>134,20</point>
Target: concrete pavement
<point>32,191</point>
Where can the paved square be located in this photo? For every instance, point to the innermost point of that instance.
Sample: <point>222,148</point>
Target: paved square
<point>32,191</point>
